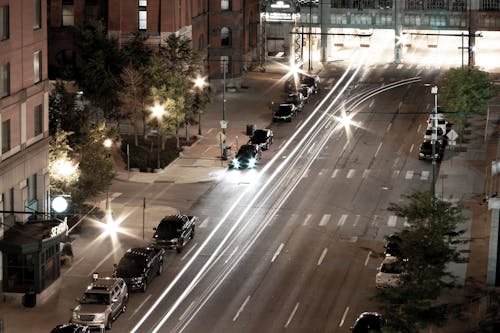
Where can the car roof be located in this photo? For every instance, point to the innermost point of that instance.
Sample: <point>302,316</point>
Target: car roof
<point>102,285</point>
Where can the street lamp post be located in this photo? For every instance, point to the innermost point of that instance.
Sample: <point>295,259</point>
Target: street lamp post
<point>434,91</point>
<point>107,144</point>
<point>224,69</point>
<point>199,84</point>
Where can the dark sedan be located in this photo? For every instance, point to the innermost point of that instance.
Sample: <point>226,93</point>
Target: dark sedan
<point>285,112</point>
<point>246,158</point>
<point>262,138</point>
<point>70,328</point>
<point>139,266</point>
<point>368,322</point>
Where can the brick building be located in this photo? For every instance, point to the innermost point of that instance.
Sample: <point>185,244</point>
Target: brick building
<point>24,133</point>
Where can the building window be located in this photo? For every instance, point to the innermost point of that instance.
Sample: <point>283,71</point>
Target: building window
<point>68,13</point>
<point>4,80</point>
<point>4,22</point>
<point>225,36</point>
<point>38,119</point>
<point>37,14</point>
<point>37,66</point>
<point>143,15</point>
<point>32,187</point>
<point>5,136</point>
<point>225,4</point>
<point>490,5</point>
<point>8,204</point>
<point>224,64</point>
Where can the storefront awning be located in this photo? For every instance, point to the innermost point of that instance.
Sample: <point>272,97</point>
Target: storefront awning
<point>33,236</point>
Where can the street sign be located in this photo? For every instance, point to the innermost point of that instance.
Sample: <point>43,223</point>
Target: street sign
<point>452,135</point>
<point>223,123</point>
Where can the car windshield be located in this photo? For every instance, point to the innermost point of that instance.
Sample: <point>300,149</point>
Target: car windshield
<point>392,267</point>
<point>245,150</point>
<point>95,298</point>
<point>285,109</point>
<point>168,229</point>
<point>131,265</point>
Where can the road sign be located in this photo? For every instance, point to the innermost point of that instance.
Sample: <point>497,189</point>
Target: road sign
<point>223,123</point>
<point>452,135</point>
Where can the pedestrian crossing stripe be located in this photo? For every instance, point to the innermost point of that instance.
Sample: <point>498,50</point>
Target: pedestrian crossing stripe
<point>424,175</point>
<point>351,173</point>
<point>325,219</point>
<point>308,218</point>
<point>409,174</point>
<point>392,221</point>
<point>365,173</point>
<point>335,172</point>
<point>342,219</point>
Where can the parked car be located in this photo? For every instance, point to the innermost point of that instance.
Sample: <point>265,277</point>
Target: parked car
<point>311,81</point>
<point>139,266</point>
<point>425,151</point>
<point>392,246</point>
<point>247,157</point>
<point>296,99</point>
<point>102,302</point>
<point>428,134</point>
<point>368,322</point>
<point>70,328</point>
<point>306,92</point>
<point>441,123</point>
<point>263,138</point>
<point>389,272</point>
<point>285,112</point>
<point>174,231</point>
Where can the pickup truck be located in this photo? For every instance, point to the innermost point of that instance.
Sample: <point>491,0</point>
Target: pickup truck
<point>174,231</point>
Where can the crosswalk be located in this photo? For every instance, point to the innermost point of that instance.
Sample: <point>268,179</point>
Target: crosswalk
<point>365,173</point>
<point>331,220</point>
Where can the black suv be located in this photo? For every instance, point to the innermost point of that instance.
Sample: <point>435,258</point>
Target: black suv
<point>139,266</point>
<point>285,112</point>
<point>246,158</point>
<point>296,99</point>
<point>263,138</point>
<point>425,151</point>
<point>174,231</point>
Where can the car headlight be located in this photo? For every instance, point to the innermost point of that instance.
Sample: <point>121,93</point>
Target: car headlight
<point>100,317</point>
<point>235,163</point>
<point>137,279</point>
<point>252,162</point>
<point>173,241</point>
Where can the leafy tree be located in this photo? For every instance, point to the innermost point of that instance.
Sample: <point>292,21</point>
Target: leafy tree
<point>66,111</point>
<point>98,67</point>
<point>428,244</point>
<point>466,91</point>
<point>63,170</point>
<point>136,53</point>
<point>96,167</point>
<point>132,97</point>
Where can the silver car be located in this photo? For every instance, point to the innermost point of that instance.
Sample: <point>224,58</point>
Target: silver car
<point>101,303</point>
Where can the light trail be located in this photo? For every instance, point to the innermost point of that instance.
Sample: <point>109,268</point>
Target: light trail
<point>235,225</point>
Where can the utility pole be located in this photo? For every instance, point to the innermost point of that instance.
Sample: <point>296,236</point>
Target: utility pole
<point>434,91</point>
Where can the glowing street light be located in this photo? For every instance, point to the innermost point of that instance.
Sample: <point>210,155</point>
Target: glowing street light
<point>158,112</point>
<point>199,84</point>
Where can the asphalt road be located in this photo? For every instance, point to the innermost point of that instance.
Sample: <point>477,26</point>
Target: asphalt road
<point>294,248</point>
<point>301,255</point>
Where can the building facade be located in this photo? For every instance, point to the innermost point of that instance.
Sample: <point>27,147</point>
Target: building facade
<point>24,134</point>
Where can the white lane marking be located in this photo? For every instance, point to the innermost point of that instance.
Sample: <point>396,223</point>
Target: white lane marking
<point>419,127</point>
<point>424,175</point>
<point>292,314</point>
<point>210,130</point>
<point>73,265</point>
<point>368,257</point>
<point>405,223</point>
<point>306,174</point>
<point>351,173</point>
<point>188,309</point>
<point>366,173</point>
<point>411,147</point>
<point>388,127</point>
<point>343,317</point>
<point>378,149</point>
<point>115,195</point>
<point>392,221</point>
<point>206,150</point>
<point>190,250</point>
<point>241,308</point>
<point>281,144</point>
<point>395,173</point>
<point>204,223</point>
<point>400,104</point>
<point>140,306</point>
<point>325,219</point>
<point>308,218</point>
<point>323,254</point>
<point>231,255</point>
<point>345,147</point>
<point>311,147</point>
<point>374,220</point>
<point>395,163</point>
<point>335,172</point>
<point>409,174</point>
<point>322,172</point>
<point>277,253</point>
<point>371,104</point>
<point>356,220</point>
<point>299,123</point>
<point>342,219</point>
